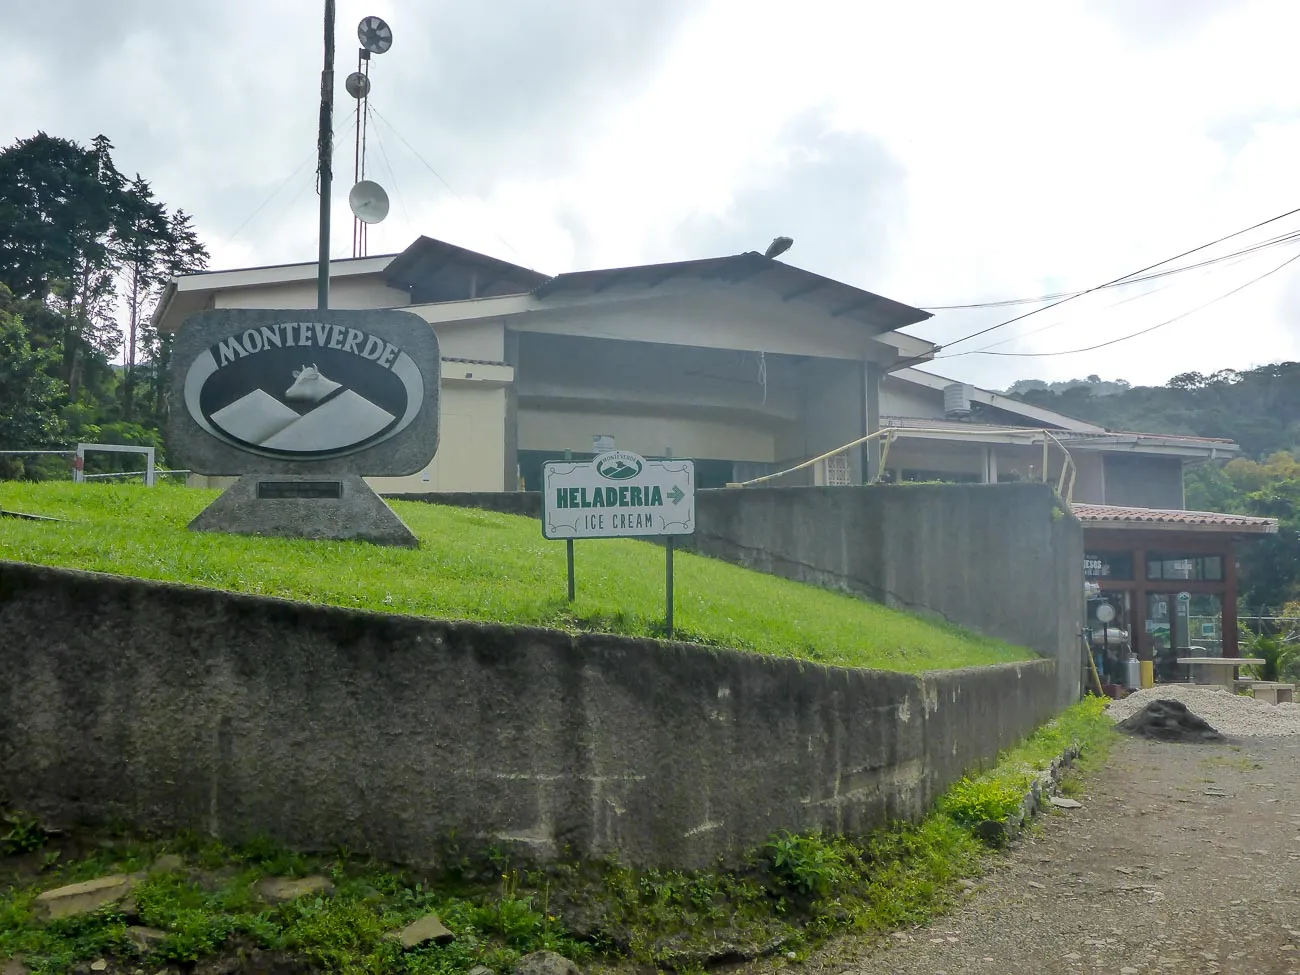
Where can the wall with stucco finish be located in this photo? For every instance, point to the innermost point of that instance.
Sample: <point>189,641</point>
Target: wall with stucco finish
<point>180,708</point>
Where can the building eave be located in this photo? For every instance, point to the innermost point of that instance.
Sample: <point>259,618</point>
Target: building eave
<point>193,291</point>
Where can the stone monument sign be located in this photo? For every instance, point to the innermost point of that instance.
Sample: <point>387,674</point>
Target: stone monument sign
<point>301,404</point>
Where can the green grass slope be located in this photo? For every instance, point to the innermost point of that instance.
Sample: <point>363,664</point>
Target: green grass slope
<point>477,565</point>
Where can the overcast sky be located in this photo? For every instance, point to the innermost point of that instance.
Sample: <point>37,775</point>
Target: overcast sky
<point>935,152</point>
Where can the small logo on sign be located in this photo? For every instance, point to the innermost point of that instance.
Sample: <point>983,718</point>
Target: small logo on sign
<point>619,465</point>
<point>303,389</point>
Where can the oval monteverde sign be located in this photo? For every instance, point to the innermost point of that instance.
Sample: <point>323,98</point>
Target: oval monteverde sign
<point>619,465</point>
<point>303,390</point>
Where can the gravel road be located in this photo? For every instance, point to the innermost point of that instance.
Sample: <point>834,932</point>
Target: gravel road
<point>1184,858</point>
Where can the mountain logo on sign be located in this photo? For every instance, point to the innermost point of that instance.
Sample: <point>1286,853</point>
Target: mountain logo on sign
<point>619,465</point>
<point>260,391</point>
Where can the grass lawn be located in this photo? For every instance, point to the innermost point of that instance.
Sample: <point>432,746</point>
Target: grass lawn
<point>477,565</point>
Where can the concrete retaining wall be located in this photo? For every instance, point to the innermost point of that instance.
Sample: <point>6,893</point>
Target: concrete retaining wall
<point>172,707</point>
<point>1005,560</point>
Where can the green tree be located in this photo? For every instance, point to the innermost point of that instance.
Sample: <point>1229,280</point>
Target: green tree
<point>1268,489</point>
<point>87,253</point>
<point>181,252</point>
<point>29,395</point>
<point>152,246</point>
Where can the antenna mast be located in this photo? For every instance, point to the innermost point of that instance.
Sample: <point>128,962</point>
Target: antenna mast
<point>368,200</point>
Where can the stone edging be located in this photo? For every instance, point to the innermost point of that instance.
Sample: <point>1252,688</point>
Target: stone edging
<point>1045,785</point>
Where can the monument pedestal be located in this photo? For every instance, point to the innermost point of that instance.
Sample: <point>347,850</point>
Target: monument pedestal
<point>340,508</point>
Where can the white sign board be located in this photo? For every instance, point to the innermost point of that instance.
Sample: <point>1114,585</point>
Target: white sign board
<point>619,494</point>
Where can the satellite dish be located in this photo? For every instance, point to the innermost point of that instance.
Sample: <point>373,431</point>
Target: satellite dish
<point>368,201</point>
<point>375,35</point>
<point>357,85</point>
<point>1106,612</point>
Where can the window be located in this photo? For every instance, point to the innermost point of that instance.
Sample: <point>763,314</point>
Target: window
<point>1108,565</point>
<point>1193,568</point>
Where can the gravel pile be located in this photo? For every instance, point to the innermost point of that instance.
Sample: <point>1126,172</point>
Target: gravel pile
<point>1230,714</point>
<point>1166,720</point>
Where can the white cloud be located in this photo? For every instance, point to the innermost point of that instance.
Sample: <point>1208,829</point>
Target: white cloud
<point>1007,148</point>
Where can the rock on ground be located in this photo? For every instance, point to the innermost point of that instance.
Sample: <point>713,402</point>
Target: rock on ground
<point>85,897</point>
<point>145,939</point>
<point>278,890</point>
<point>545,963</point>
<point>427,928</point>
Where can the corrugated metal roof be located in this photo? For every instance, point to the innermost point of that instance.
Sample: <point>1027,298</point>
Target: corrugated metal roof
<point>1113,514</point>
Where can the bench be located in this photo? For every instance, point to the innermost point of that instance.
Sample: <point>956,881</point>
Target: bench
<point>1216,671</point>
<point>1273,692</point>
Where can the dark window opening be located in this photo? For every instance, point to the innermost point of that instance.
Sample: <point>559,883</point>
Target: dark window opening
<point>1186,568</point>
<point>1117,566</point>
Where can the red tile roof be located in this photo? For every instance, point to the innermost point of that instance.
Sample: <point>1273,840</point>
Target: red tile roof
<point>1167,518</point>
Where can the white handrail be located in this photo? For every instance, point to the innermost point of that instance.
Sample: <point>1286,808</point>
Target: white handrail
<point>1065,481</point>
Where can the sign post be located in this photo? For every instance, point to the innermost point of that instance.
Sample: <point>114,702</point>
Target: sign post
<point>568,547</point>
<point>619,495</point>
<point>668,614</point>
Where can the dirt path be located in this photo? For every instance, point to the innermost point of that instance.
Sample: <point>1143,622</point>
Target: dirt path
<point>1184,858</point>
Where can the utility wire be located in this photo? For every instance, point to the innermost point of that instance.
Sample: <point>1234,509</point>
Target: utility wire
<point>1005,302</point>
<point>392,174</point>
<point>1115,304</point>
<point>441,179</point>
<point>274,193</point>
<point>1067,320</point>
<point>1151,267</point>
<point>1131,335</point>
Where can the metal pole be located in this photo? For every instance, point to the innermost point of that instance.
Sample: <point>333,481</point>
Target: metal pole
<point>324,147</point>
<point>568,544</point>
<point>670,586</point>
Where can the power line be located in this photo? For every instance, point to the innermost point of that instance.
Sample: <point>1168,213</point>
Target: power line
<point>1115,304</point>
<point>1151,267</point>
<point>1067,320</point>
<point>1131,335</point>
<point>391,173</point>
<point>441,179</point>
<point>274,193</point>
<point>1133,279</point>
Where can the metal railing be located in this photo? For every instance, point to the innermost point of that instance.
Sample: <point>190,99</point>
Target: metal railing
<point>78,455</point>
<point>887,435</point>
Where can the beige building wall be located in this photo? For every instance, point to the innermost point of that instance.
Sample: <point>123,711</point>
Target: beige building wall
<point>471,446</point>
<point>704,322</point>
<point>361,292</point>
<point>703,438</point>
<point>484,339</point>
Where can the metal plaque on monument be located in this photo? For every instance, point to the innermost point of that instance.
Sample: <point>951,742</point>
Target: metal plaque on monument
<point>301,405</point>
